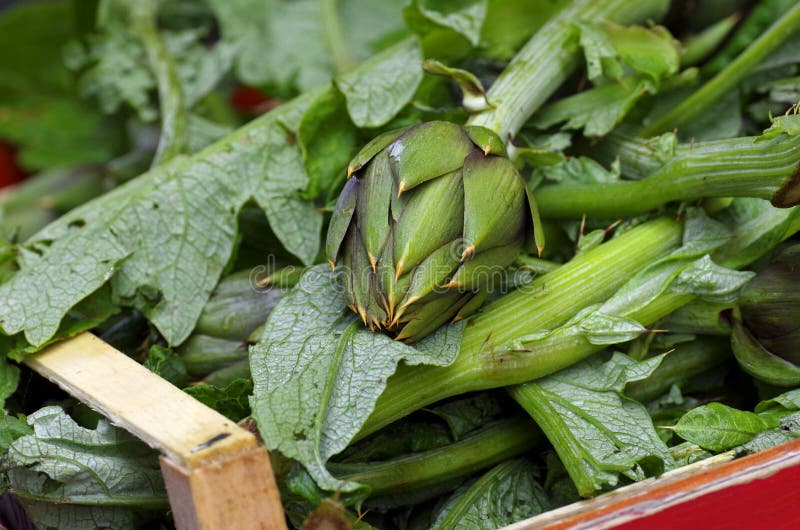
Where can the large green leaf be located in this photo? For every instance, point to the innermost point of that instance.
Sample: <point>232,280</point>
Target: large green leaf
<point>288,44</point>
<point>600,435</point>
<point>318,372</point>
<point>164,238</point>
<point>69,477</point>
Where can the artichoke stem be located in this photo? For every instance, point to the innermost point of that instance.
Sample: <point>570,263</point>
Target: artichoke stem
<point>485,362</point>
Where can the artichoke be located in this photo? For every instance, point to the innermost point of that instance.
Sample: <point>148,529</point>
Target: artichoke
<point>766,340</point>
<point>425,226</point>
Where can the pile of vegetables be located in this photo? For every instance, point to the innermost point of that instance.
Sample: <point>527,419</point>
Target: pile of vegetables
<point>460,262</point>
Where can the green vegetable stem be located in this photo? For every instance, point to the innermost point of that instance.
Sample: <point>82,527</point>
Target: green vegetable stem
<point>728,78</point>
<point>497,441</point>
<point>738,167</point>
<point>488,360</point>
<point>550,57</point>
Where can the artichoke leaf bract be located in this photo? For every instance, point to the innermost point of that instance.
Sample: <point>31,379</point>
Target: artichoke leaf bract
<point>428,221</point>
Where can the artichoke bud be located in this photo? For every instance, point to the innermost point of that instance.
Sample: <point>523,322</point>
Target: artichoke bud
<point>766,340</point>
<point>425,225</point>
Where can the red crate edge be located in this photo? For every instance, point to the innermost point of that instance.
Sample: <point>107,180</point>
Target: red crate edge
<point>755,492</point>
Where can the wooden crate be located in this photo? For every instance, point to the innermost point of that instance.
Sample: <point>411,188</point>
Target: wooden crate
<point>218,477</point>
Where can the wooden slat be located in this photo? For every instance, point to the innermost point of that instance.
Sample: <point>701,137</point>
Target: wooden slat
<point>139,401</point>
<point>230,493</point>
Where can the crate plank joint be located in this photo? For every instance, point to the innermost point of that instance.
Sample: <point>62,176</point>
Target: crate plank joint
<point>217,476</point>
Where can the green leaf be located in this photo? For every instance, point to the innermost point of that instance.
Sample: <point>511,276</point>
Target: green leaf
<point>465,17</point>
<point>383,86</point>
<point>465,415</point>
<point>722,119</point>
<point>11,428</point>
<point>652,52</point>
<point>302,58</point>
<point>598,110</point>
<point>508,493</point>
<point>164,238</point>
<point>599,435</point>
<point>36,31</point>
<point>756,227</point>
<point>255,27</point>
<point>39,108</point>
<point>328,140</point>
<point>36,302</point>
<point>592,323</point>
<point>54,130</point>
<point>710,282</point>
<point>70,477</point>
<point>701,235</point>
<point>599,52</point>
<point>718,427</point>
<point>317,373</point>
<point>508,25</point>
<point>88,313</point>
<point>788,124</point>
<point>115,67</point>
<point>590,240</point>
<point>608,48</point>
<point>788,401</point>
<point>543,150</point>
<point>167,364</point>
<point>765,440</point>
<point>9,378</point>
<point>231,401</point>
<point>202,132</point>
<point>581,170</point>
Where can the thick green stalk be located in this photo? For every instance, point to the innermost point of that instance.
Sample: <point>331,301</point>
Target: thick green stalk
<point>545,303</point>
<point>738,167</point>
<point>550,57</point>
<point>728,78</point>
<point>500,441</point>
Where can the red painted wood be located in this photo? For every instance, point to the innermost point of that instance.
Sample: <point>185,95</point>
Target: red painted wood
<point>756,492</point>
<point>770,503</point>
